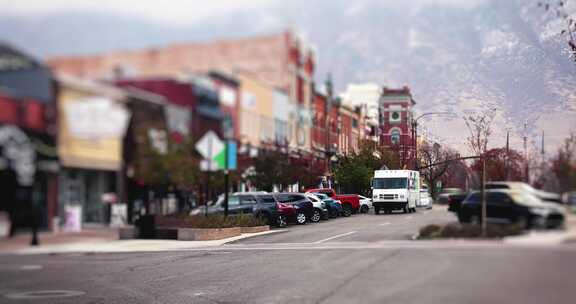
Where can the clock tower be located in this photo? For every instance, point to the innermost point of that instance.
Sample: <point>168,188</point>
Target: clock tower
<point>395,117</point>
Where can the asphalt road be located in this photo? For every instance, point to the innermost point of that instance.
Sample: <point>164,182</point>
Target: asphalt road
<point>376,264</point>
<point>359,228</point>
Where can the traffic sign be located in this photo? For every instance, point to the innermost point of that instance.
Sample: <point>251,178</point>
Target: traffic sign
<point>210,146</point>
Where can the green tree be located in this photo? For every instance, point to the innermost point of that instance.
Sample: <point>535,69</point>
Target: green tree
<point>354,172</point>
<point>272,168</point>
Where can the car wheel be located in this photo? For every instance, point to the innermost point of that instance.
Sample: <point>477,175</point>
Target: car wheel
<point>376,210</point>
<point>316,216</point>
<point>335,213</point>
<point>406,210</point>
<point>281,221</point>
<point>364,209</point>
<point>347,210</point>
<point>301,218</point>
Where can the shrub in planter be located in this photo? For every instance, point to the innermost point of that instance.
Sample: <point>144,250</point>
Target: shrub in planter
<point>210,221</point>
<point>429,231</point>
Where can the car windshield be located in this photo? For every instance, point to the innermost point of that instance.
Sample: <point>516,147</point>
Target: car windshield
<point>312,197</point>
<point>321,196</point>
<point>526,198</point>
<point>266,198</point>
<point>390,183</point>
<point>497,186</point>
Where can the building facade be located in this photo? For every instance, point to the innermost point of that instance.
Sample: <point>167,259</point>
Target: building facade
<point>396,121</point>
<point>28,156</point>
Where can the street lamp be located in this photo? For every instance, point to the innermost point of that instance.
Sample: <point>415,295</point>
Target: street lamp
<point>415,132</point>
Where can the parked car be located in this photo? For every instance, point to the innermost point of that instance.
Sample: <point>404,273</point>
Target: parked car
<point>304,209</point>
<point>442,198</point>
<point>334,207</point>
<point>320,210</point>
<point>455,201</point>
<point>425,199</point>
<point>365,204</point>
<point>569,199</point>
<point>520,186</point>
<point>257,203</point>
<point>512,206</point>
<point>350,202</point>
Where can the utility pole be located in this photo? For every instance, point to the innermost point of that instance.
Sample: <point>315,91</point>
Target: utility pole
<point>483,195</point>
<point>415,143</point>
<point>525,139</point>
<point>507,155</point>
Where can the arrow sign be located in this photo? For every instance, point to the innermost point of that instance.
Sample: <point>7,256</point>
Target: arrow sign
<point>210,146</point>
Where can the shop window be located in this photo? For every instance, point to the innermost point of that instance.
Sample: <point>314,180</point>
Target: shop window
<point>395,136</point>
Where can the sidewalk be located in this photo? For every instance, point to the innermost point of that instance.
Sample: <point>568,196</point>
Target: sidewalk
<point>89,235</point>
<point>104,241</point>
<point>545,238</point>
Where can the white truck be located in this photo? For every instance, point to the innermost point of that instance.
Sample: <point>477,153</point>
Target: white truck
<point>395,190</point>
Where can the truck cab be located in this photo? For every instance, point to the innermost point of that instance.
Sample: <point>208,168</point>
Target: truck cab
<point>395,190</point>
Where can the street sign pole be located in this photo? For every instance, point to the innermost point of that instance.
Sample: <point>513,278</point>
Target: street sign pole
<point>209,168</point>
<point>226,177</point>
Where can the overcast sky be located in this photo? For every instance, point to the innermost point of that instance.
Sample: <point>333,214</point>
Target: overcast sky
<point>177,12</point>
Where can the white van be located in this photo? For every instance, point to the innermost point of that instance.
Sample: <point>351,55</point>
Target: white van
<point>395,190</point>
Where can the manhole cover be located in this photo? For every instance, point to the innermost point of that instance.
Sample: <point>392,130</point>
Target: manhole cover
<point>44,294</point>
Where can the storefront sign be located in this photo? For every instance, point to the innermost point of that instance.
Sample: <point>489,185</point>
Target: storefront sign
<point>178,119</point>
<point>73,222</point>
<point>118,215</point>
<point>96,118</point>
<point>17,152</point>
<point>91,129</point>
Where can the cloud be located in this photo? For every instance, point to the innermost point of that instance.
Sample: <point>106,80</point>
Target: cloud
<point>167,12</point>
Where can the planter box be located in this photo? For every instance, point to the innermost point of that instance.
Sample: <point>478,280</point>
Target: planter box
<point>207,234</point>
<point>254,229</point>
<point>128,233</point>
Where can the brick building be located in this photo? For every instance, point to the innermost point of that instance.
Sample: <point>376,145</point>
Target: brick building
<point>396,121</point>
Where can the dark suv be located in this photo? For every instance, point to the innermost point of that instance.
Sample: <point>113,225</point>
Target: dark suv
<point>257,203</point>
<point>302,205</point>
<point>512,207</point>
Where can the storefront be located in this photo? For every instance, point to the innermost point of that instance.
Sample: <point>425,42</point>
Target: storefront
<point>28,157</point>
<point>93,120</point>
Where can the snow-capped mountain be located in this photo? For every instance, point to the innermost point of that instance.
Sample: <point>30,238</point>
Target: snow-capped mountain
<point>460,56</point>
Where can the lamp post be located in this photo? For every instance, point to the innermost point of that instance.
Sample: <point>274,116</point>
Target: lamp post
<point>415,133</point>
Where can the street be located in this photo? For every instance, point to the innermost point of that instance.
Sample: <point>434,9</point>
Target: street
<point>361,259</point>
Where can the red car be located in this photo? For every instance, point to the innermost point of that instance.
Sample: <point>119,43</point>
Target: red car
<point>285,212</point>
<point>350,202</point>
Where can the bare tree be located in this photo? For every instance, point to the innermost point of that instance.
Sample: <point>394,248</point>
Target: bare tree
<point>480,128</point>
<point>435,163</point>
<point>557,9</point>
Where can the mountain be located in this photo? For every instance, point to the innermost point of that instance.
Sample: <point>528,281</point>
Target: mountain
<point>457,56</point>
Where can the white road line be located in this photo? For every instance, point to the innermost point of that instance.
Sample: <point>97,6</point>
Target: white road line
<point>334,237</point>
<point>385,224</point>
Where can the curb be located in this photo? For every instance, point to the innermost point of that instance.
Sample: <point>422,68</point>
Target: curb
<point>127,246</point>
<point>542,238</point>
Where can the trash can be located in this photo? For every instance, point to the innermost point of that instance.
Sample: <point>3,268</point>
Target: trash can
<point>146,227</point>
